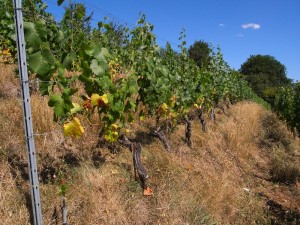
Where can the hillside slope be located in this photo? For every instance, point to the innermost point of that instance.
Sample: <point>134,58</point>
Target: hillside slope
<point>243,170</point>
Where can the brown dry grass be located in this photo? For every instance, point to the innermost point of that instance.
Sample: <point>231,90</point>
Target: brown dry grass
<point>13,208</point>
<point>8,85</point>
<point>225,157</point>
<point>205,184</point>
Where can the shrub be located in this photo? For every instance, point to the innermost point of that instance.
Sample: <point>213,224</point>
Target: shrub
<point>274,134</point>
<point>283,167</point>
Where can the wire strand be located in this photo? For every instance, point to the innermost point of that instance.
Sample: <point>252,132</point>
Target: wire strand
<point>94,8</point>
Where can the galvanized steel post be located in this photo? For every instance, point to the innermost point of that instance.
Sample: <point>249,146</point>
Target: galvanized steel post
<point>29,136</point>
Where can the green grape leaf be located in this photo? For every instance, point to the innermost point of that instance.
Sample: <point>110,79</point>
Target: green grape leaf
<point>70,91</point>
<point>96,68</point>
<point>68,60</point>
<point>41,62</point>
<point>38,63</point>
<point>45,88</point>
<point>104,65</point>
<point>88,84</point>
<point>76,108</point>
<point>111,136</point>
<point>57,102</point>
<point>105,52</point>
<point>31,35</point>
<point>59,37</point>
<point>60,72</point>
<point>41,29</point>
<point>130,118</point>
<point>103,82</point>
<point>66,96</point>
<point>62,189</point>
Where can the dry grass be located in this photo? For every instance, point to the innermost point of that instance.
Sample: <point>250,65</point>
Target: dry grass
<point>8,82</point>
<point>210,183</point>
<point>223,160</point>
<point>13,209</point>
<point>284,164</point>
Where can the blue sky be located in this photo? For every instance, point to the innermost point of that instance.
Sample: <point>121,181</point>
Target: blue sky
<point>241,28</point>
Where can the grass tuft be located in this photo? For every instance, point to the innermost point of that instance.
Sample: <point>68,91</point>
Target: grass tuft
<point>274,132</point>
<point>283,167</point>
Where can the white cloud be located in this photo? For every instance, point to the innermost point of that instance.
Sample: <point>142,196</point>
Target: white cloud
<point>254,26</point>
<point>240,35</point>
<point>221,25</point>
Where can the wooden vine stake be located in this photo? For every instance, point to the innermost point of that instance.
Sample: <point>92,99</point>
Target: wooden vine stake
<point>212,114</point>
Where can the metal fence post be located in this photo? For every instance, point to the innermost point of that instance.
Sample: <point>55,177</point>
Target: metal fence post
<point>64,210</point>
<point>29,136</point>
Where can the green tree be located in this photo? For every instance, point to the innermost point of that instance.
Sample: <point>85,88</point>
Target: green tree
<point>200,53</point>
<point>111,35</point>
<point>265,74</point>
<point>76,24</point>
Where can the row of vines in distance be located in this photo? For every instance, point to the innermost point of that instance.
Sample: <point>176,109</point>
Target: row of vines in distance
<point>287,106</point>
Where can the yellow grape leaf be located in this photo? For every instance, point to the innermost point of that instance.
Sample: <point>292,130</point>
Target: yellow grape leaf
<point>97,100</point>
<point>197,106</point>
<point>173,100</point>
<point>111,136</point>
<point>200,100</point>
<point>73,128</point>
<point>164,107</point>
<point>114,126</point>
<point>6,52</point>
<point>76,108</point>
<point>94,99</point>
<point>104,99</point>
